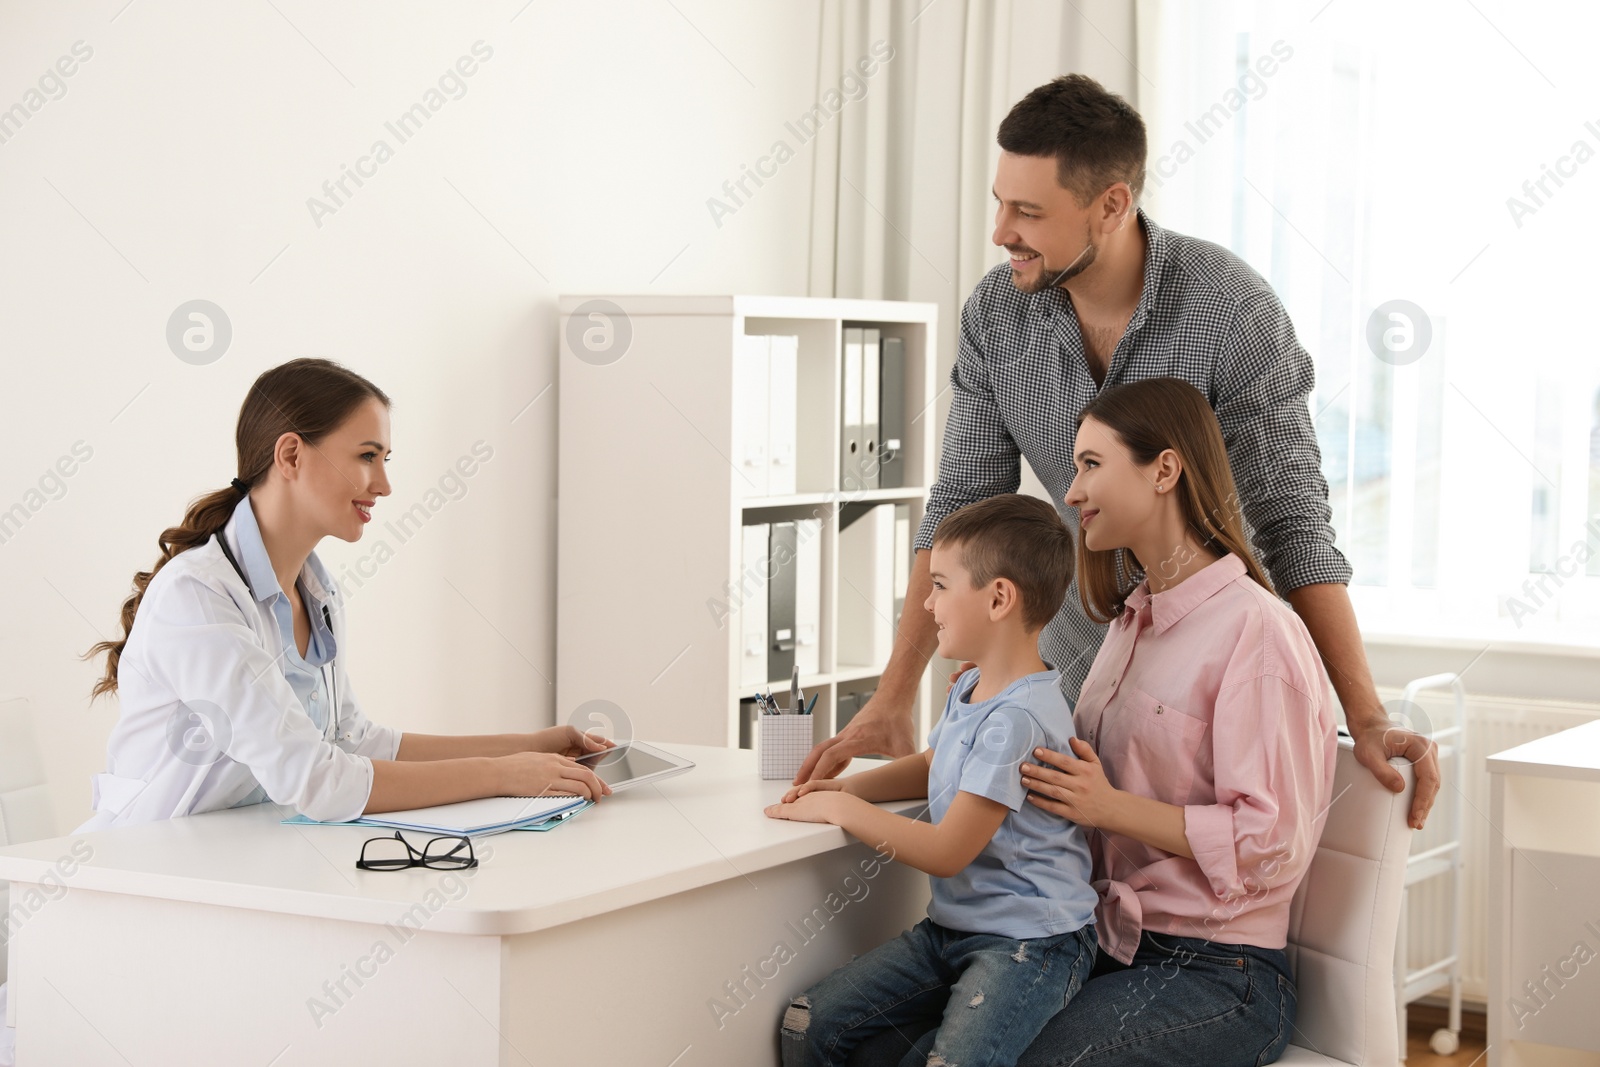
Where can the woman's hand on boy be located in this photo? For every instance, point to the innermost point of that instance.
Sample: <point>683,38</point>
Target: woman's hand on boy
<point>1075,789</point>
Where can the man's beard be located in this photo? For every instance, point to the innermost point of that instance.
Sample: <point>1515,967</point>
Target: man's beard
<point>1049,279</point>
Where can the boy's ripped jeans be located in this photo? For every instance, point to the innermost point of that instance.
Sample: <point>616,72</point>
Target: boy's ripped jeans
<point>994,993</point>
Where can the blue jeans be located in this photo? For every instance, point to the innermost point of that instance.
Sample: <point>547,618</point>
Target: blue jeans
<point>985,996</point>
<point>1184,1001</point>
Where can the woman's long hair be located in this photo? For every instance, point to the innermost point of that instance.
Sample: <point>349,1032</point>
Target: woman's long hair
<point>307,397</point>
<point>1150,416</point>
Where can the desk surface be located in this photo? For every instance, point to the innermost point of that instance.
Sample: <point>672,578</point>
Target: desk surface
<point>1573,753</point>
<point>702,827</point>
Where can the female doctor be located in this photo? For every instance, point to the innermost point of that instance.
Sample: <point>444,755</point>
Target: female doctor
<point>231,685</point>
<point>229,676</point>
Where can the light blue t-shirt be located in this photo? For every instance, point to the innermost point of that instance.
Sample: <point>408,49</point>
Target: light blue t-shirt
<point>1032,878</point>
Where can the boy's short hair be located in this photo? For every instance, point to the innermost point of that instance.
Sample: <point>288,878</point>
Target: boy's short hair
<point>1020,538</point>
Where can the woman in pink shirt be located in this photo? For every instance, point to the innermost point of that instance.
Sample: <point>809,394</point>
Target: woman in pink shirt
<point>1206,754</point>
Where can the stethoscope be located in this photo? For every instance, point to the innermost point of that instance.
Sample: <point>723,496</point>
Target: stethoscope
<point>331,729</point>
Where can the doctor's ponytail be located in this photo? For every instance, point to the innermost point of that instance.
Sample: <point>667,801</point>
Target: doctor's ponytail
<point>307,397</point>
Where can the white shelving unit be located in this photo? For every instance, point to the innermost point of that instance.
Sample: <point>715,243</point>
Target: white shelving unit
<point>651,508</point>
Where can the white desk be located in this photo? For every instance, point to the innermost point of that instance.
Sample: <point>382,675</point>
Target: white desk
<point>1544,902</point>
<point>610,940</point>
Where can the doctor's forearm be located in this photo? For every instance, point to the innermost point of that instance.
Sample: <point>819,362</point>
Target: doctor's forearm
<point>397,786</point>
<point>418,747</point>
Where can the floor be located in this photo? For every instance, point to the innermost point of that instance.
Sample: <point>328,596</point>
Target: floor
<point>1421,1029</point>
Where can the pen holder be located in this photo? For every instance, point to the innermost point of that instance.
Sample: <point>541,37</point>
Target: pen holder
<point>784,741</point>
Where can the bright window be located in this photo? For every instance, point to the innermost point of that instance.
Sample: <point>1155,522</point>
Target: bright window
<point>1403,173</point>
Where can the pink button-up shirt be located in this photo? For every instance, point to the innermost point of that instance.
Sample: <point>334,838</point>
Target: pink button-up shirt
<point>1211,696</point>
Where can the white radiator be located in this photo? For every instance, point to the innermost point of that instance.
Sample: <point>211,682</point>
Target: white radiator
<point>1494,724</point>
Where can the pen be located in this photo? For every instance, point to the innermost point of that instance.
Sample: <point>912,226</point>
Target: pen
<point>812,704</point>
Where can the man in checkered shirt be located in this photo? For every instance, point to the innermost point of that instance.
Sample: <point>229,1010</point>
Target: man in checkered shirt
<point>1095,294</point>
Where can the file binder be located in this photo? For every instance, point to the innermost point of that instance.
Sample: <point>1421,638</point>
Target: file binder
<point>892,426</point>
<point>866,577</point>
<point>751,415</point>
<point>850,443</point>
<point>871,372</point>
<point>782,414</point>
<point>902,559</point>
<point>808,596</point>
<point>748,713</point>
<point>781,602</point>
<point>753,605</point>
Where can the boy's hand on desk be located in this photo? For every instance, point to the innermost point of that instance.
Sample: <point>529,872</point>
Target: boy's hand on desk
<point>815,805</point>
<point>567,741</point>
<point>828,784</point>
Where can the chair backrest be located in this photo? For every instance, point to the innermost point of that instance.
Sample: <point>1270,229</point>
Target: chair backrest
<point>1343,920</point>
<point>25,810</point>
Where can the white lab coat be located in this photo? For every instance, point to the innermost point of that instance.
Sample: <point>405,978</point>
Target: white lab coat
<point>200,641</point>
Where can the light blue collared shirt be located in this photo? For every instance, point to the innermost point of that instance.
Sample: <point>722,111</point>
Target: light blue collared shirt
<point>304,673</point>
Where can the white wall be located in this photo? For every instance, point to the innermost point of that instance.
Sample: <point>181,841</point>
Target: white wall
<point>177,165</point>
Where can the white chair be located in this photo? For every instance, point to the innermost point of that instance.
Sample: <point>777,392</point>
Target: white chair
<point>25,811</point>
<point>1343,920</point>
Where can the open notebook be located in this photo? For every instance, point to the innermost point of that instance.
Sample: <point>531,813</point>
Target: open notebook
<point>487,815</point>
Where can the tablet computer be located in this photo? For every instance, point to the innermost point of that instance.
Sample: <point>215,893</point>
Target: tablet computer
<point>633,763</point>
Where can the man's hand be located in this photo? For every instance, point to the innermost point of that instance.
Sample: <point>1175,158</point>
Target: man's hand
<point>881,727</point>
<point>877,728</point>
<point>1381,739</point>
<point>955,675</point>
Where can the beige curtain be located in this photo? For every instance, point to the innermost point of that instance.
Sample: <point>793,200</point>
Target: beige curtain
<point>901,187</point>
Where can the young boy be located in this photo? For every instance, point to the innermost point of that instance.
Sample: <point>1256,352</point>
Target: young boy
<point>1009,935</point>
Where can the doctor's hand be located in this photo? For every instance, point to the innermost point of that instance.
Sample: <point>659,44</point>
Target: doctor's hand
<point>536,774</point>
<point>567,741</point>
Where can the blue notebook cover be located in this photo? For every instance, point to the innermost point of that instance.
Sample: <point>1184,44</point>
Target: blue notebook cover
<point>548,822</point>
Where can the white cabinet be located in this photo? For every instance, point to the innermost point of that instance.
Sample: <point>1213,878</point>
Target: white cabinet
<point>659,474</point>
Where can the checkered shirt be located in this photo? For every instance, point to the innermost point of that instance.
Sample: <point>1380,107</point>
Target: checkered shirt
<point>1021,377</point>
